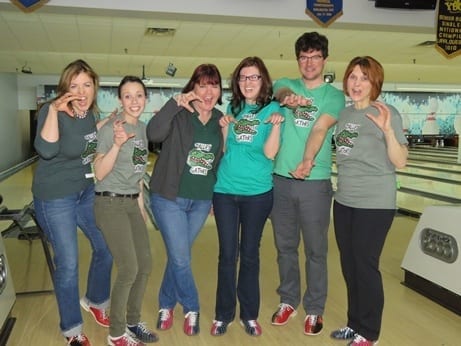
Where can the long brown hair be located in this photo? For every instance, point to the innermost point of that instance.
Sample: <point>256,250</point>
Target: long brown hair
<point>265,94</point>
<point>70,72</point>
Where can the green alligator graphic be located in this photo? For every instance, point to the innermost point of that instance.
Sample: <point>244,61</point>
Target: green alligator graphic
<point>344,138</point>
<point>139,156</point>
<point>305,113</point>
<point>200,158</point>
<point>90,149</point>
<point>246,126</point>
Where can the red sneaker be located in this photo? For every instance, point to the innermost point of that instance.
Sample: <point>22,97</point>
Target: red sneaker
<point>165,319</point>
<point>191,323</point>
<point>78,340</point>
<point>313,324</point>
<point>283,313</point>
<point>124,340</point>
<point>361,341</point>
<point>100,315</point>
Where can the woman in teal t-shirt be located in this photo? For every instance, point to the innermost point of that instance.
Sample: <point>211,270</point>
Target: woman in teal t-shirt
<point>242,198</point>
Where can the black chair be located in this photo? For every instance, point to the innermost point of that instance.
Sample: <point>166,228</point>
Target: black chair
<point>19,229</point>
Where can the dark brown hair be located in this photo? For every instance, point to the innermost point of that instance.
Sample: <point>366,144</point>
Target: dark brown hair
<point>265,94</point>
<point>311,41</point>
<point>205,74</point>
<point>130,79</point>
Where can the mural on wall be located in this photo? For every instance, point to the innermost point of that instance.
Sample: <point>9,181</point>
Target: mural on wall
<point>108,99</point>
<point>423,113</point>
<point>426,113</point>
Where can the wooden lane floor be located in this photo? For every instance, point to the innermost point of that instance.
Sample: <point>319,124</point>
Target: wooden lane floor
<point>406,318</point>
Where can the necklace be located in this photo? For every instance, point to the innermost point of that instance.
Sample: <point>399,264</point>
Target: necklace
<point>80,116</point>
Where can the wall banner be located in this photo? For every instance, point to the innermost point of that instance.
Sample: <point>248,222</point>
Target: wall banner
<point>448,40</point>
<point>324,12</point>
<point>29,5</point>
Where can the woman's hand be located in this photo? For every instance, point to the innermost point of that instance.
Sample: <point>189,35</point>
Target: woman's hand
<point>120,135</point>
<point>225,120</point>
<point>275,119</point>
<point>383,119</point>
<point>64,103</point>
<point>183,100</point>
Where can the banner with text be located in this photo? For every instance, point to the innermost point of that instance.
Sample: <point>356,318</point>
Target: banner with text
<point>29,5</point>
<point>324,12</point>
<point>448,40</point>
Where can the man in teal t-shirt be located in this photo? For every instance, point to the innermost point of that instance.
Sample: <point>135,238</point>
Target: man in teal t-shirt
<point>302,185</point>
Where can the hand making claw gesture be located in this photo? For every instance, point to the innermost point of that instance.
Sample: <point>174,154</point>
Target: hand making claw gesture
<point>303,170</point>
<point>64,103</point>
<point>183,100</point>
<point>120,134</point>
<point>383,119</point>
<point>294,101</point>
<point>226,120</point>
<point>275,119</point>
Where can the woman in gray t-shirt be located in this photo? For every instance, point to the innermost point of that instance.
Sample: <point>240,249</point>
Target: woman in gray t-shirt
<point>370,145</point>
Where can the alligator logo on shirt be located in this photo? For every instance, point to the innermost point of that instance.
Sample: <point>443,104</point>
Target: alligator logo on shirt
<point>200,162</point>
<point>90,148</point>
<point>245,129</point>
<point>139,156</point>
<point>305,115</point>
<point>345,139</point>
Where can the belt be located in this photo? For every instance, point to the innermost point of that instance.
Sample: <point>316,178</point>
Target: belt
<point>113,194</point>
<point>282,176</point>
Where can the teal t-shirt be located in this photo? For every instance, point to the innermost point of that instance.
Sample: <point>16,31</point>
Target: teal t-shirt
<point>325,99</point>
<point>244,168</point>
<point>199,174</point>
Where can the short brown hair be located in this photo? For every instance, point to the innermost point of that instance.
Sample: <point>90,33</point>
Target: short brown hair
<point>369,67</point>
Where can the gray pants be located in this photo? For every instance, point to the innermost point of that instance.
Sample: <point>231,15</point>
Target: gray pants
<point>302,208</point>
<point>125,231</point>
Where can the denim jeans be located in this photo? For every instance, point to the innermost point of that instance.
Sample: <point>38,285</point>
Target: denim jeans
<point>180,221</point>
<point>240,221</point>
<point>59,219</point>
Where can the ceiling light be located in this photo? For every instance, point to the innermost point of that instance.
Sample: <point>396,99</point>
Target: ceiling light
<point>26,69</point>
<point>171,70</point>
<point>329,77</point>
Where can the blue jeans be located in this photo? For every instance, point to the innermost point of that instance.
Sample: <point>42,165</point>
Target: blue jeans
<point>240,221</point>
<point>59,219</point>
<point>180,221</point>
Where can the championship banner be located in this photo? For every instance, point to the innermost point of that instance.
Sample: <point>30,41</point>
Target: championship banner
<point>29,5</point>
<point>448,40</point>
<point>324,12</point>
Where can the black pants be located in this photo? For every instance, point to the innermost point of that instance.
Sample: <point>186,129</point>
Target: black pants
<point>360,235</point>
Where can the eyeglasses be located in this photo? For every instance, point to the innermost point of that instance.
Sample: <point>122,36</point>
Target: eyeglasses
<point>253,77</point>
<point>313,58</point>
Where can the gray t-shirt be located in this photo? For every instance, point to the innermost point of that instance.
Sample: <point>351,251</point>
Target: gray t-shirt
<point>64,166</point>
<point>131,161</point>
<point>366,176</point>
